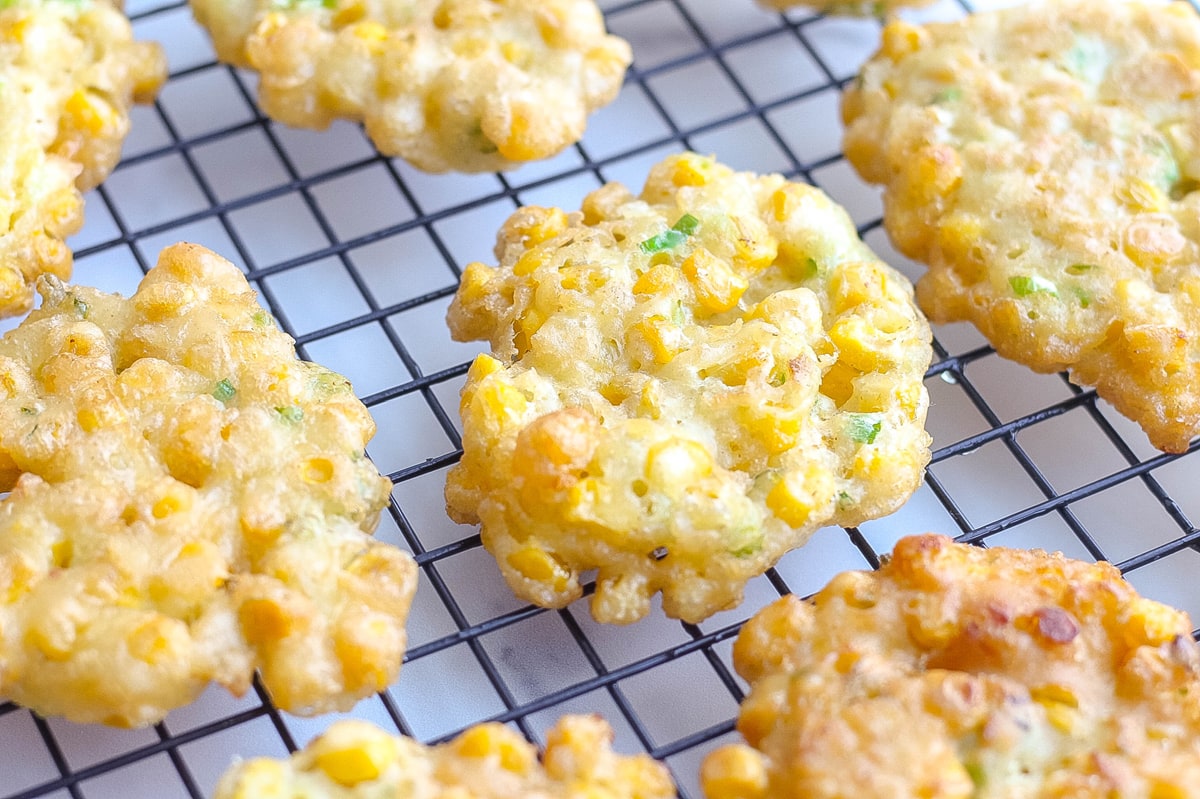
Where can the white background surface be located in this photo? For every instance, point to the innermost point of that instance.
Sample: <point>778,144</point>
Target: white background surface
<point>358,256</point>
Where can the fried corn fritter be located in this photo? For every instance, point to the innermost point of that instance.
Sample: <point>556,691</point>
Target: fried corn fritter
<point>468,85</point>
<point>357,760</point>
<point>190,502</point>
<point>1042,161</point>
<point>961,672</point>
<point>69,71</point>
<point>684,386</point>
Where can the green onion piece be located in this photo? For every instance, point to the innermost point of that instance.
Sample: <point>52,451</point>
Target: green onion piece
<point>28,411</point>
<point>947,95</point>
<point>81,307</point>
<point>1079,269</point>
<point>864,427</point>
<point>686,225</point>
<point>811,268</point>
<point>778,377</point>
<point>1024,285</point>
<point>290,414</point>
<point>261,319</point>
<point>224,390</point>
<point>976,773</point>
<point>844,500</point>
<point>1084,297</point>
<point>745,541</point>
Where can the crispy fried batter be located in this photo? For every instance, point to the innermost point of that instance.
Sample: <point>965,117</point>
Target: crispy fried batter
<point>956,671</point>
<point>685,386</point>
<point>69,71</point>
<point>1042,161</point>
<point>356,760</point>
<point>189,502</point>
<point>469,85</point>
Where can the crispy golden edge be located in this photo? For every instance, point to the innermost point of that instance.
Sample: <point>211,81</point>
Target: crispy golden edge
<point>356,760</point>
<point>69,72</point>
<point>467,85</point>
<point>189,503</point>
<point>956,671</point>
<point>681,418</point>
<point>1041,160</point>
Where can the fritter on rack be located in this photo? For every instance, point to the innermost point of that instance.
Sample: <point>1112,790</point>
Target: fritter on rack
<point>684,386</point>
<point>69,71</point>
<point>962,672</point>
<point>356,760</point>
<point>1043,160</point>
<point>190,502</point>
<point>468,85</point>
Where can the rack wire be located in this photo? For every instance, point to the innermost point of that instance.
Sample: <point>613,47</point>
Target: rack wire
<point>358,256</point>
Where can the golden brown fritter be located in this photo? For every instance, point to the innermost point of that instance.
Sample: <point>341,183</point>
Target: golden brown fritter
<point>961,672</point>
<point>1042,161</point>
<point>468,85</point>
<point>69,71</point>
<point>356,760</point>
<point>190,502</point>
<point>685,386</point>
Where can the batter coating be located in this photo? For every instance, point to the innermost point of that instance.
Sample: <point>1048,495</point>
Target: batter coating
<point>960,672</point>
<point>468,85</point>
<point>189,503</point>
<point>852,8</point>
<point>357,760</point>
<point>69,71</point>
<point>685,386</point>
<point>1042,160</point>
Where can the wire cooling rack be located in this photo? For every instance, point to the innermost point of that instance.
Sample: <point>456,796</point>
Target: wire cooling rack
<point>358,256</point>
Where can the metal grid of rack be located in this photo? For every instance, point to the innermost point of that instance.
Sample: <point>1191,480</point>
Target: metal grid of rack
<point>358,256</point>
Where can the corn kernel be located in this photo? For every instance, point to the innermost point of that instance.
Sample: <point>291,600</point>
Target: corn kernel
<point>540,566</point>
<point>666,339</point>
<point>487,740</point>
<point>734,772</point>
<point>1161,789</point>
<point>261,778</point>
<point>677,462</point>
<point>91,111</point>
<point>157,640</point>
<point>800,492</point>
<point>174,502</point>
<point>264,620</point>
<point>316,471</point>
<point>372,33</point>
<point>1152,241</point>
<point>348,13</point>
<point>1151,623</point>
<point>838,382</point>
<point>858,344</point>
<point>718,288</point>
<point>899,39</point>
<point>755,248</point>
<point>351,759</point>
<point>655,279</point>
<point>520,144</point>
<point>1141,196</point>
<point>529,261</point>
<point>516,53</point>
<point>534,224</point>
<point>470,46</point>
<point>62,552</point>
<point>786,201</point>
<point>691,170</point>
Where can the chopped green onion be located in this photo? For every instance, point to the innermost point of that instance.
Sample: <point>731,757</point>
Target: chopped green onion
<point>261,319</point>
<point>811,268</point>
<point>1025,285</point>
<point>864,427</point>
<point>291,414</point>
<point>81,307</point>
<point>28,411</point>
<point>746,541</point>
<point>1079,269</point>
<point>976,773</point>
<point>677,315</point>
<point>947,95</point>
<point>224,390</point>
<point>844,500</point>
<point>1084,296</point>
<point>670,239</point>
<point>778,377</point>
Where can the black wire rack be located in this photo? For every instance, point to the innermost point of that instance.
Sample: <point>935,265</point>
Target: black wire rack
<point>358,256</point>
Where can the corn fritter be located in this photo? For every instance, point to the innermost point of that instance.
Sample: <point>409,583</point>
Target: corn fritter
<point>69,71</point>
<point>1043,161</point>
<point>684,386</point>
<point>357,760</point>
<point>189,503</point>
<point>966,673</point>
<point>467,85</point>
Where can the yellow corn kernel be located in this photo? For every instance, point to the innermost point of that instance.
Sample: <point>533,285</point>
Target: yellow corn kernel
<point>899,39</point>
<point>1054,693</point>
<point>529,261</point>
<point>655,279</point>
<point>348,13</point>
<point>316,470</point>
<point>156,640</point>
<point>503,400</point>
<point>62,552</point>
<point>755,248</point>
<point>1141,196</point>
<point>519,144</point>
<point>733,772</point>
<point>786,201</point>
<point>176,500</point>
<point>90,111</point>
<point>666,340</point>
<point>1161,789</point>
<point>534,225</point>
<point>470,46</point>
<point>553,24</point>
<point>540,566</point>
<point>56,642</point>
<point>718,288</point>
<point>775,428</point>
<point>857,342</point>
<point>475,279</point>
<point>264,620</point>
<point>1151,623</point>
<point>838,382</point>
<point>677,462</point>
<point>516,53</point>
<point>799,492</point>
<point>931,173</point>
<point>372,33</point>
<point>1152,241</point>
<point>496,740</point>
<point>526,327</point>
<point>691,170</point>
<point>15,31</point>
<point>351,755</point>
